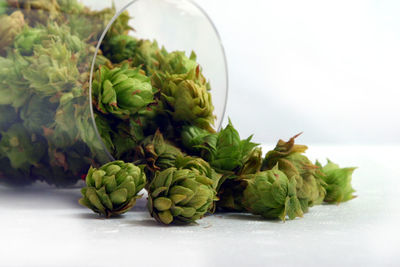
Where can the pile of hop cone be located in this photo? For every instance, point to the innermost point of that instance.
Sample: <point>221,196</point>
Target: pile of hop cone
<point>154,114</point>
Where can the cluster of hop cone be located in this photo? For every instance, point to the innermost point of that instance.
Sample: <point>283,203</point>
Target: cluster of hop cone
<point>154,113</point>
<point>217,171</point>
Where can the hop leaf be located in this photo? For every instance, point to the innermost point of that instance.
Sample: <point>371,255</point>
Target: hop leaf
<point>113,188</point>
<point>180,196</point>
<point>338,182</point>
<point>122,92</point>
<point>310,187</point>
<point>272,195</point>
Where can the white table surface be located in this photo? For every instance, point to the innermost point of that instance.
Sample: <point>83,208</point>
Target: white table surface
<point>41,226</point>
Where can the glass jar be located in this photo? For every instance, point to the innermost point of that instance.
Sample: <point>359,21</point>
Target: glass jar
<point>55,120</point>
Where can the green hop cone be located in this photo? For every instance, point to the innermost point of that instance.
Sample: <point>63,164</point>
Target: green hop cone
<point>21,148</point>
<point>121,92</point>
<point>113,188</point>
<point>145,56</point>
<point>120,25</point>
<point>309,185</point>
<point>272,195</point>
<point>154,60</point>
<point>198,165</point>
<point>52,69</point>
<point>14,89</point>
<point>180,196</point>
<point>64,131</point>
<point>178,63</point>
<point>338,182</point>
<point>185,99</point>
<point>28,38</point>
<point>120,48</point>
<point>252,162</point>
<point>193,138</point>
<point>225,151</point>
<point>10,26</point>
<point>157,153</point>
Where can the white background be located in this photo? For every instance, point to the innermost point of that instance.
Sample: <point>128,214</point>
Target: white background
<point>328,68</point>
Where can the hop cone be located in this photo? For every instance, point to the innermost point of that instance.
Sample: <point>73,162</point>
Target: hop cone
<point>120,48</point>
<point>252,162</point>
<point>178,63</point>
<point>21,148</point>
<point>180,196</point>
<point>338,182</point>
<point>64,131</point>
<point>10,26</point>
<point>113,188</point>
<point>28,38</point>
<point>145,56</point>
<point>309,185</point>
<point>185,100</point>
<point>14,89</point>
<point>157,153</point>
<point>198,165</point>
<point>225,151</point>
<point>52,69</point>
<point>272,195</point>
<point>193,138</point>
<point>156,60</point>
<point>121,91</point>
